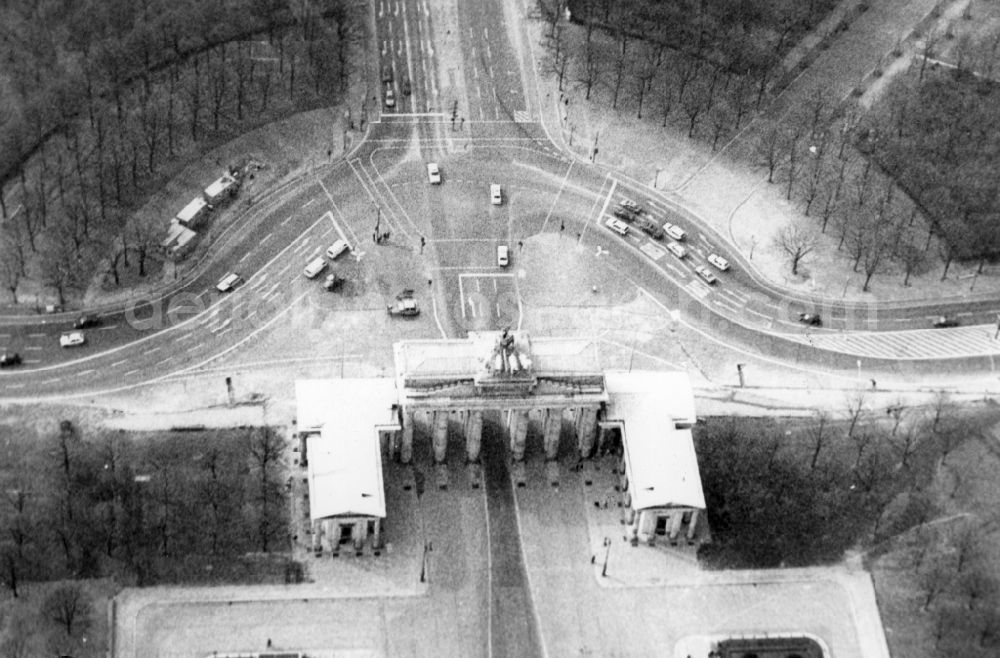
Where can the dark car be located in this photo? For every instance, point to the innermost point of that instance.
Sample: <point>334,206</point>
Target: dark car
<point>10,359</point>
<point>811,319</point>
<point>624,213</point>
<point>945,321</point>
<point>406,88</point>
<point>332,282</point>
<point>387,73</point>
<point>85,321</point>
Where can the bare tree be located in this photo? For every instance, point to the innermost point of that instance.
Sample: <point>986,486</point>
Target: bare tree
<point>934,580</point>
<point>820,433</point>
<point>795,242</point>
<point>769,150</point>
<point>266,450</point>
<point>68,606</point>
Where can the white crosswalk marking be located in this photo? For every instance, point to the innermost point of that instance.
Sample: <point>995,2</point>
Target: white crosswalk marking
<point>698,289</point>
<point>522,116</point>
<point>913,344</point>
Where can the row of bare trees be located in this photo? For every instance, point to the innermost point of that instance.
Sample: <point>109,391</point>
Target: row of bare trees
<point>147,89</point>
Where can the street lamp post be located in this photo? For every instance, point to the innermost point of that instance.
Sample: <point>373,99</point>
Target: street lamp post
<point>607,553</point>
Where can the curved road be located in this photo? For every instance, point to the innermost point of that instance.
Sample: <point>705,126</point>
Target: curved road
<point>476,121</point>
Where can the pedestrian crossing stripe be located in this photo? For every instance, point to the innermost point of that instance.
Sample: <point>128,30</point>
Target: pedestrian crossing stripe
<point>698,289</point>
<point>522,116</point>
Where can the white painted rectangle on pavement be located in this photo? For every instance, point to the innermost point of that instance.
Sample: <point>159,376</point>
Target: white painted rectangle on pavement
<point>653,251</point>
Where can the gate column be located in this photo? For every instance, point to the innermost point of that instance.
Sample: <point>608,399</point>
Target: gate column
<point>440,436</point>
<point>550,432</point>
<point>473,435</point>
<point>586,431</point>
<point>518,428</point>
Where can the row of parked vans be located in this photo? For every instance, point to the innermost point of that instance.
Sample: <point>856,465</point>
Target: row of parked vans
<point>629,211</point>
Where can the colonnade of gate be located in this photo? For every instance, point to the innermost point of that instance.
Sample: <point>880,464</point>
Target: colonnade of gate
<point>517,422</point>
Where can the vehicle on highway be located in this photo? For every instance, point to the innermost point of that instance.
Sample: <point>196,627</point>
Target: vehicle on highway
<point>811,319</point>
<point>624,214</point>
<point>718,262</point>
<point>496,197</point>
<point>944,321</point>
<point>617,225</point>
<point>85,321</point>
<point>503,255</point>
<point>8,359</point>
<point>390,97</point>
<point>228,282</point>
<point>433,173</point>
<point>72,339</point>
<point>314,267</point>
<point>630,205</point>
<point>674,231</point>
<point>337,248</point>
<point>677,250</point>
<point>407,90</point>
<point>405,305</point>
<point>387,73</point>
<point>705,274</point>
<point>332,282</point>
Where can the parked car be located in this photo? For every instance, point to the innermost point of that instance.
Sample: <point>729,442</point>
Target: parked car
<point>390,97</point>
<point>407,90</point>
<point>651,228</point>
<point>72,339</point>
<point>811,319</point>
<point>624,214</point>
<point>705,274</point>
<point>404,305</point>
<point>677,250</point>
<point>618,226</point>
<point>718,262</point>
<point>314,267</point>
<point>503,255</point>
<point>8,359</point>
<point>496,197</point>
<point>85,321</point>
<point>630,205</point>
<point>228,282</point>
<point>433,173</point>
<point>337,248</point>
<point>674,231</point>
<point>387,73</point>
<point>944,321</point>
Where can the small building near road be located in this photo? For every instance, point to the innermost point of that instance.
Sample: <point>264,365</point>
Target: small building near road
<point>179,240</point>
<point>654,413</point>
<point>194,213</point>
<point>222,190</point>
<point>343,425</point>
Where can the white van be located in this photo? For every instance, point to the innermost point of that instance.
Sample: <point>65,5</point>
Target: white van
<point>228,282</point>
<point>314,268</point>
<point>503,255</point>
<point>337,248</point>
<point>496,198</point>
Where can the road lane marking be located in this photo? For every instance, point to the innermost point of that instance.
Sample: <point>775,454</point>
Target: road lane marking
<point>33,347</point>
<point>37,335</point>
<point>308,202</point>
<point>245,256</point>
<point>84,372</point>
<point>266,238</point>
<point>108,327</point>
<point>118,363</point>
<point>288,219</point>
<point>16,385</point>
